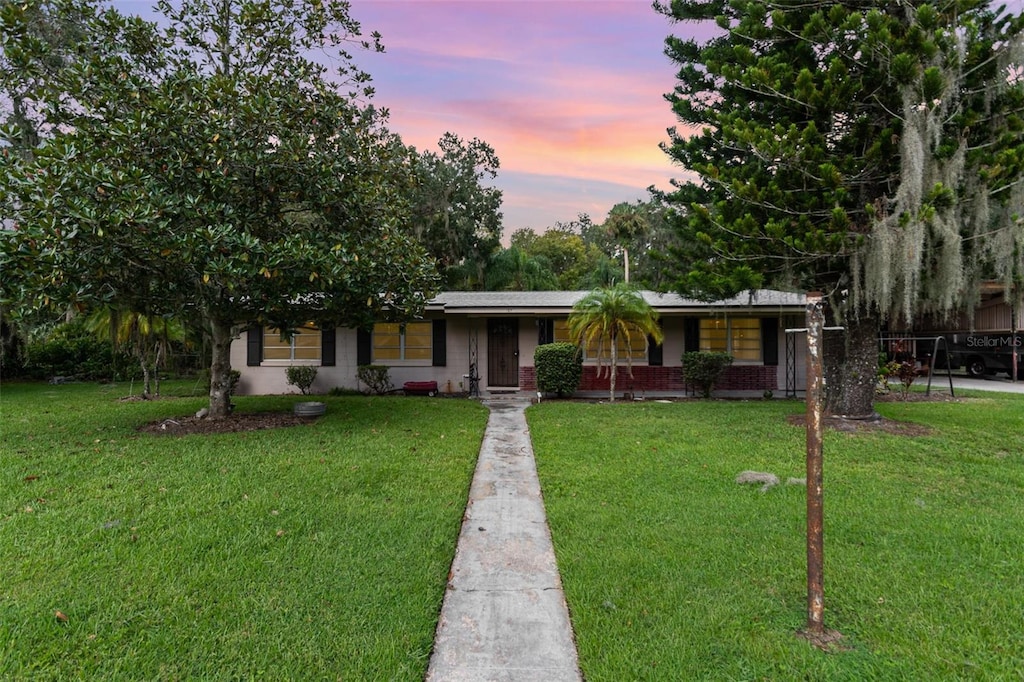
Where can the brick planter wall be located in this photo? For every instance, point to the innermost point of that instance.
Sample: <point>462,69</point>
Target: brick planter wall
<point>646,378</point>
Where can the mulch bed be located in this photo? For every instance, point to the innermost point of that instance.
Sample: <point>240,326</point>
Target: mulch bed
<point>236,423</point>
<point>880,425</point>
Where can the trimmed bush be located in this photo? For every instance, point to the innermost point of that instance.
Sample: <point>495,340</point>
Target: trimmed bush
<point>376,378</point>
<point>302,376</point>
<point>704,369</point>
<point>559,368</point>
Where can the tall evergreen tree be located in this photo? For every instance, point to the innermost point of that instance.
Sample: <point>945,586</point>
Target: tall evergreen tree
<point>872,151</point>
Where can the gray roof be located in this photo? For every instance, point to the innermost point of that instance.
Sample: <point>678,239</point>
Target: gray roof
<point>550,302</point>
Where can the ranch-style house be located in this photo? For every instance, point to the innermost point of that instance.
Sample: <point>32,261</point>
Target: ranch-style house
<point>491,336</point>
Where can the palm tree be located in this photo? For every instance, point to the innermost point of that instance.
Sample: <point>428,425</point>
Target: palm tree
<point>147,338</point>
<point>513,269</point>
<point>608,316</point>
<point>625,223</point>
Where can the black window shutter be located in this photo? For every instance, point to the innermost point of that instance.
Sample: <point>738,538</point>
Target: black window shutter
<point>546,333</point>
<point>770,340</point>
<point>328,345</point>
<point>439,341</point>
<point>364,355</point>
<point>691,335</point>
<point>655,352</point>
<point>254,345</point>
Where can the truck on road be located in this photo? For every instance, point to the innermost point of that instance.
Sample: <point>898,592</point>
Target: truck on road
<point>980,354</point>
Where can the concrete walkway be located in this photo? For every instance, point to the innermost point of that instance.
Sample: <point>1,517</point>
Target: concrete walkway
<point>504,617</point>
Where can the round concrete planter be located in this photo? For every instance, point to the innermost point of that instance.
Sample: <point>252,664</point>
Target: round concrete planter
<point>310,409</point>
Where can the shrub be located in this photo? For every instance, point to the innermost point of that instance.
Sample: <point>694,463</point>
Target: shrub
<point>375,377</point>
<point>302,376</point>
<point>905,371</point>
<point>703,369</point>
<point>559,368</point>
<point>73,351</point>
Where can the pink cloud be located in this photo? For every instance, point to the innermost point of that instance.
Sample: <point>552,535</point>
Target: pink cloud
<point>570,94</point>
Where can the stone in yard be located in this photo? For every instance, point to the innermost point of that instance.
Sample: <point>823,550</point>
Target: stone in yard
<point>767,480</point>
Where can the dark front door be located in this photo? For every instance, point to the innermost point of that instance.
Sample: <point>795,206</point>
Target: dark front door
<point>503,352</point>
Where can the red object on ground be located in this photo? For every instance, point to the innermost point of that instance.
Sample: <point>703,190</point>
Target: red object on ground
<point>420,387</point>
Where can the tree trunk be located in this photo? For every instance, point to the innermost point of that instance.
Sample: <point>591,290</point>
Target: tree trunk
<point>147,391</point>
<point>614,369</point>
<point>851,368</point>
<point>220,369</point>
<point>156,370</point>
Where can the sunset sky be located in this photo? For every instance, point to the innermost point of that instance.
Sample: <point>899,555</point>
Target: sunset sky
<point>570,93</point>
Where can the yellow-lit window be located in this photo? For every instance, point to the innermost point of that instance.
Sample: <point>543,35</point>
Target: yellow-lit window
<point>303,345</point>
<point>745,336</point>
<point>562,331</point>
<point>740,337</point>
<point>635,346</point>
<point>392,342</point>
<point>714,336</point>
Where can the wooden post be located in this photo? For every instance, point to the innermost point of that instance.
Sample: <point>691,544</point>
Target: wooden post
<point>815,517</point>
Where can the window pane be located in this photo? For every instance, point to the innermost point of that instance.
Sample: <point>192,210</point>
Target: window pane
<point>306,354</point>
<point>746,339</point>
<point>277,353</point>
<point>303,345</point>
<point>387,342</point>
<point>418,354</point>
<point>561,328</point>
<point>714,336</point>
<point>386,354</point>
<point>418,335</point>
<point>391,343</point>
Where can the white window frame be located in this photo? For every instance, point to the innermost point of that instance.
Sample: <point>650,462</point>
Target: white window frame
<point>308,329</point>
<point>402,360</point>
<point>729,337</point>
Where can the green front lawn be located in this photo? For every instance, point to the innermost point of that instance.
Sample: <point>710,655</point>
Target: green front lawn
<point>314,552</point>
<point>672,571</point>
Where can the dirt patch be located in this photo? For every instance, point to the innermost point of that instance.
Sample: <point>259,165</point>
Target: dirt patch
<point>895,396</point>
<point>829,641</point>
<point>880,425</point>
<point>236,423</point>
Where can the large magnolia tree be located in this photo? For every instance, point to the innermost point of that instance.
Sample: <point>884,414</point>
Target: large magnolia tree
<point>207,168</point>
<point>872,151</point>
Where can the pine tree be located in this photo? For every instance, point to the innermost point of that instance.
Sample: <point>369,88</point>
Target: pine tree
<point>871,151</point>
